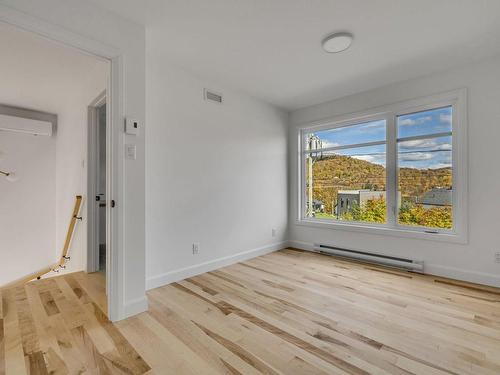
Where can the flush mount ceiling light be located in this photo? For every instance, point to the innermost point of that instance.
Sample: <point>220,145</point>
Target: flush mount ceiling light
<point>337,42</point>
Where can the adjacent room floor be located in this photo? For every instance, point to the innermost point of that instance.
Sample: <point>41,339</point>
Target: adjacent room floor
<point>289,312</point>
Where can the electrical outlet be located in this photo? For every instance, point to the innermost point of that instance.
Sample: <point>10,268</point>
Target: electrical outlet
<point>273,232</point>
<point>196,248</point>
<point>497,257</point>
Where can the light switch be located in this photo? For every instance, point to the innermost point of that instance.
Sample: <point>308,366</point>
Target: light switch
<point>130,152</point>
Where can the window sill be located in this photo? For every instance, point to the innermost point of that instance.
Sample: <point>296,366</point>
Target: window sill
<point>384,231</point>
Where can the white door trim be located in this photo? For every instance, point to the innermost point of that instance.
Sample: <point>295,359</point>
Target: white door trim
<point>115,177</point>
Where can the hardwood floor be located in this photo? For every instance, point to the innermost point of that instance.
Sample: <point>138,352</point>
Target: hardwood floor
<point>289,312</point>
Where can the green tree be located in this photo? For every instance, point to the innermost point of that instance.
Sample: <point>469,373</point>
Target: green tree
<point>372,211</point>
<point>416,214</point>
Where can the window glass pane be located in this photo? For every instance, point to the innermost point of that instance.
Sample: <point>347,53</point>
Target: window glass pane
<point>425,182</point>
<point>426,122</point>
<point>347,185</point>
<point>372,131</point>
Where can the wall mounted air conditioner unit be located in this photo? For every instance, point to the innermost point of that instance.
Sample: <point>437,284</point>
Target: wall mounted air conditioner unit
<point>386,260</point>
<point>25,125</point>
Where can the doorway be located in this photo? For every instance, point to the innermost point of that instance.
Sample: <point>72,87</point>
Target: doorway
<point>97,186</point>
<point>112,52</point>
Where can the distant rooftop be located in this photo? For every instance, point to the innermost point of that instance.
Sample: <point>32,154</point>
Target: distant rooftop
<point>437,197</point>
<point>352,191</point>
<point>359,191</point>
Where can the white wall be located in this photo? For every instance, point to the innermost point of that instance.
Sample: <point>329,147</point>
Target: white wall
<point>28,206</point>
<point>42,75</point>
<point>473,261</point>
<point>215,174</point>
<point>84,24</point>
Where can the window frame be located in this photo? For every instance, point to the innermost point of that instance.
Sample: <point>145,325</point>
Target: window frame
<point>457,100</point>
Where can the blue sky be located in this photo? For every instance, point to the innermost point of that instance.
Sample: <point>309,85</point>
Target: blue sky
<point>421,154</point>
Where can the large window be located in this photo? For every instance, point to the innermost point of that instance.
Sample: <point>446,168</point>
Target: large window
<point>392,169</point>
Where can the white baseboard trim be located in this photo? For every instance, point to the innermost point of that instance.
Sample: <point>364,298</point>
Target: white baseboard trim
<point>434,269</point>
<point>184,273</point>
<point>134,307</point>
<point>301,245</point>
<point>464,275</point>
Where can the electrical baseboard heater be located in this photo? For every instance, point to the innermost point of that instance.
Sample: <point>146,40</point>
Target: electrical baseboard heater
<point>386,260</point>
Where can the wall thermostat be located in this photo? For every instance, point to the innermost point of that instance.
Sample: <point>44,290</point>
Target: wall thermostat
<point>132,126</point>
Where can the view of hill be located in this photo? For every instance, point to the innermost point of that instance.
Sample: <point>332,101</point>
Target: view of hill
<point>338,172</point>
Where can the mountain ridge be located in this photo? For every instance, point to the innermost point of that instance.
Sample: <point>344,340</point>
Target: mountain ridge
<point>340,172</point>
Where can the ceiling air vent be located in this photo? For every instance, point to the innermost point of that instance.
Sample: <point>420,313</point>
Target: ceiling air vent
<point>212,96</point>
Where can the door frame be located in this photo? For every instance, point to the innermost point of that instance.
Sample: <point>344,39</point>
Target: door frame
<point>93,171</point>
<point>115,142</point>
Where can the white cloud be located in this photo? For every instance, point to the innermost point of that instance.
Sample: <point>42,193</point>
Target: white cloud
<point>431,144</point>
<point>377,159</point>
<point>325,144</point>
<point>439,165</point>
<point>444,147</point>
<point>376,125</point>
<point>416,156</point>
<point>417,121</point>
<point>407,121</point>
<point>416,143</point>
<point>445,118</point>
<point>447,158</point>
<point>369,158</point>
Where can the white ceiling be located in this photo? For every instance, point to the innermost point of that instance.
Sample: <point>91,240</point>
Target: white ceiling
<point>43,75</point>
<point>271,48</point>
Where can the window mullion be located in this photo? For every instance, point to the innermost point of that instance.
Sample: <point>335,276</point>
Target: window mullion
<point>391,170</point>
<point>302,171</point>
<point>425,136</point>
<point>345,147</point>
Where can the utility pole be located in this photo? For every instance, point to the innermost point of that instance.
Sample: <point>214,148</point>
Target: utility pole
<point>314,144</point>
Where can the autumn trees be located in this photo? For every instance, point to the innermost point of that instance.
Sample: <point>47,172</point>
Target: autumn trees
<point>338,172</point>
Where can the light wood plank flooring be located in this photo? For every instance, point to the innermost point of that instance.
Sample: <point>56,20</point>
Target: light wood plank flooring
<point>289,312</point>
